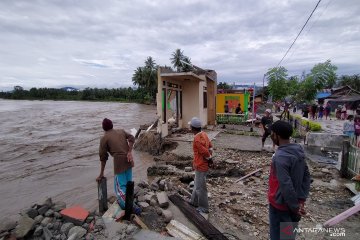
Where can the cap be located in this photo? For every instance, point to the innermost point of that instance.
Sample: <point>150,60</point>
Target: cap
<point>195,122</point>
<point>268,110</point>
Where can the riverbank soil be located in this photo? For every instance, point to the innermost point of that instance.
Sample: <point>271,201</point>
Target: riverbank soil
<point>241,208</point>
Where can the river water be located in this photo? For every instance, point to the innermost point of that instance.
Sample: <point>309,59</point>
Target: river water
<point>50,149</point>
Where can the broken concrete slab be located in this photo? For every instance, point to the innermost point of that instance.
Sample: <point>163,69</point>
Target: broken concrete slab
<point>179,230</point>
<point>78,231</point>
<point>75,214</point>
<point>168,215</point>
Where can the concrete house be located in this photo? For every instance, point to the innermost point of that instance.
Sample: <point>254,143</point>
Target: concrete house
<point>184,95</point>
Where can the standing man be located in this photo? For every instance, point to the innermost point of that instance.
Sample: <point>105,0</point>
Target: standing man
<point>289,181</point>
<point>119,144</point>
<point>202,148</point>
<point>266,122</point>
<point>226,107</point>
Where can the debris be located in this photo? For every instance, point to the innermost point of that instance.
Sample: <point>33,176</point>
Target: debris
<point>76,214</point>
<point>342,216</point>
<point>179,230</point>
<point>248,175</point>
<point>209,231</point>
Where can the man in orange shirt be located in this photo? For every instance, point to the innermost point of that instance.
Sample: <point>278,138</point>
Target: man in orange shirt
<point>202,148</point>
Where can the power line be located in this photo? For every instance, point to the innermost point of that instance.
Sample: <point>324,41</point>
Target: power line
<point>299,33</point>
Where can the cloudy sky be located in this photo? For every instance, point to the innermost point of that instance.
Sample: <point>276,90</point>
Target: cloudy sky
<point>93,43</point>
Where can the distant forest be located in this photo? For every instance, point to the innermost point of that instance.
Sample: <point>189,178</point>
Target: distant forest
<point>88,94</point>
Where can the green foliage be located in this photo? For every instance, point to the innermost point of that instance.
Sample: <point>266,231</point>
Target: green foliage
<point>307,90</point>
<point>351,81</point>
<point>181,62</point>
<point>146,78</point>
<point>176,58</point>
<point>277,83</point>
<point>293,85</point>
<point>223,85</point>
<point>314,126</point>
<point>323,75</point>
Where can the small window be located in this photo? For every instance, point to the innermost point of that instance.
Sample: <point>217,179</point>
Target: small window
<point>205,99</point>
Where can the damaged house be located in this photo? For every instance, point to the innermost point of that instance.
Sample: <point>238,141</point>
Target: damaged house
<point>183,95</point>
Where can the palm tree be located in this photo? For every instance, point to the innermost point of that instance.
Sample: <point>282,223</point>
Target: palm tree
<point>176,59</point>
<point>187,67</point>
<point>150,63</point>
<point>137,77</point>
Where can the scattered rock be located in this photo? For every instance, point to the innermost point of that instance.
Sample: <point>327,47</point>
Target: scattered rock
<point>89,219</point>
<point>38,231</point>
<point>163,199</point>
<point>168,215</point>
<point>325,170</point>
<point>43,210</point>
<point>162,185</point>
<point>38,219</point>
<point>48,202</point>
<point>143,184</point>
<point>46,221</point>
<point>79,232</point>
<point>153,202</point>
<point>65,228</point>
<point>144,205</point>
<point>31,212</point>
<point>25,225</point>
<point>49,213</point>
<point>58,206</point>
<point>57,215</point>
<point>47,234</point>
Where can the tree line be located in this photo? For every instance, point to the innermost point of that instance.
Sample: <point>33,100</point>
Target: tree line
<point>88,94</point>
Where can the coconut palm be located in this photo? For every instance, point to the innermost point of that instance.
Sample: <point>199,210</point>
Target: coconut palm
<point>187,66</point>
<point>150,63</point>
<point>176,59</point>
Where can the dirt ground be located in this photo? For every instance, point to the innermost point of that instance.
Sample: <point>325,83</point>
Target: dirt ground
<point>241,209</point>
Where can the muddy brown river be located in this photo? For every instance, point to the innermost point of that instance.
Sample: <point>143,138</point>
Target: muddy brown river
<point>50,149</point>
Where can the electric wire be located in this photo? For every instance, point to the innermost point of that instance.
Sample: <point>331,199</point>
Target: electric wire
<point>299,32</point>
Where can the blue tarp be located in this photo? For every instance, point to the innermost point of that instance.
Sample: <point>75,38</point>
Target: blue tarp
<point>322,95</point>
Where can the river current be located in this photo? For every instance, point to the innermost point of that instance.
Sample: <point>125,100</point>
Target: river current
<point>50,149</point>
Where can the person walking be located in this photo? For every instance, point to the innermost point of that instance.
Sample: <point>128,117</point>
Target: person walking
<point>289,182</point>
<point>357,130</point>
<point>119,144</point>
<point>202,148</point>
<point>349,126</point>
<point>321,111</point>
<point>266,122</point>
<point>327,111</point>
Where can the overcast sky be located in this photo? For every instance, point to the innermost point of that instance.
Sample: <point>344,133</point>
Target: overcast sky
<point>93,43</point>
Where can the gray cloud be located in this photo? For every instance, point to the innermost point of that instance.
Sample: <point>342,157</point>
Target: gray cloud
<point>93,43</point>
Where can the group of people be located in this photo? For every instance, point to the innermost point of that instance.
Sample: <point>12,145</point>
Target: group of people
<point>289,179</point>
<point>317,111</point>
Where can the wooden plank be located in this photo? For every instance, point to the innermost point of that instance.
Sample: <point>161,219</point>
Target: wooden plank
<point>139,222</point>
<point>179,230</point>
<point>102,195</point>
<point>248,175</point>
<point>342,216</point>
<point>206,228</point>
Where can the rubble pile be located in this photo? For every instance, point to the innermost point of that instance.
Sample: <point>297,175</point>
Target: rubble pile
<point>49,221</point>
<point>241,208</point>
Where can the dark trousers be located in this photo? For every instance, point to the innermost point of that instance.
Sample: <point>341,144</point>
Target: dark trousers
<point>276,217</point>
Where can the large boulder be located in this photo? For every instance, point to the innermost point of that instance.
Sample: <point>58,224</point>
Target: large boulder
<point>24,226</point>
